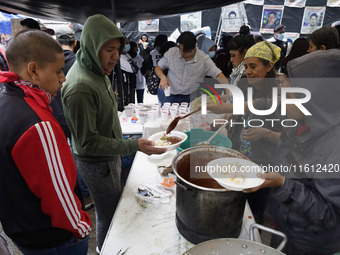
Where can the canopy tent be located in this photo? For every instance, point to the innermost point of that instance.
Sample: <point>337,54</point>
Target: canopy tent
<point>5,22</point>
<point>125,11</point>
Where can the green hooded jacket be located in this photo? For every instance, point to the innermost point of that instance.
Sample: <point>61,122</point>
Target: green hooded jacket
<point>90,106</point>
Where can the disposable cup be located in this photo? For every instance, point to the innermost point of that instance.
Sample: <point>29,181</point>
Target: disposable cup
<point>173,112</point>
<point>164,114</point>
<point>128,111</point>
<point>137,109</point>
<point>151,116</point>
<point>184,104</point>
<point>142,118</point>
<point>167,92</point>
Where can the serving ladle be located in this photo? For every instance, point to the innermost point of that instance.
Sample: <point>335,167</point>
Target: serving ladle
<point>174,122</point>
<point>207,142</point>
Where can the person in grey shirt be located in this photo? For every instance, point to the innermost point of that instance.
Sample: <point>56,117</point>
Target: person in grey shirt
<point>186,66</point>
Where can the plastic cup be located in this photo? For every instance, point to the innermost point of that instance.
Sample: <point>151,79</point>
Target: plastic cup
<point>167,92</point>
<point>182,113</point>
<point>137,109</point>
<point>151,116</point>
<point>183,109</point>
<point>175,104</point>
<point>128,111</point>
<point>184,104</point>
<point>173,112</point>
<point>158,105</point>
<point>142,118</point>
<point>167,104</point>
<point>148,106</point>
<point>156,108</point>
<point>164,114</point>
<point>144,110</point>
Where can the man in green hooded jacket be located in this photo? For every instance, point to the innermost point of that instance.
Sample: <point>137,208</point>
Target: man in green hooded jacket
<point>91,112</point>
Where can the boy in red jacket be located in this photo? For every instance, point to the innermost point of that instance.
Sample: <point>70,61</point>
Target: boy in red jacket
<point>39,209</point>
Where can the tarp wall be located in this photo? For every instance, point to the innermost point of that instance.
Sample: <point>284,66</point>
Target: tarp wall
<point>292,19</point>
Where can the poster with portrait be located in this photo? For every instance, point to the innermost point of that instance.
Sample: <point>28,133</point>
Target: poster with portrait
<point>271,18</point>
<point>312,19</point>
<point>231,18</point>
<point>295,3</point>
<point>255,2</point>
<point>149,25</point>
<point>333,3</point>
<point>290,37</point>
<point>191,21</point>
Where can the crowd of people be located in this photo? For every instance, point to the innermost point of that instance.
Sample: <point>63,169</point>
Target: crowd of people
<point>62,140</point>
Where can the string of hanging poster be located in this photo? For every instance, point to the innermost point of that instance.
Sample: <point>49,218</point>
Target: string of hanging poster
<point>313,16</point>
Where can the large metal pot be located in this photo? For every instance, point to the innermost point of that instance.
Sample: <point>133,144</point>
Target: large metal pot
<point>204,209</point>
<point>231,246</point>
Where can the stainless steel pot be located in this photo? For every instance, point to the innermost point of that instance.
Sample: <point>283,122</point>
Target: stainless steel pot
<point>230,246</point>
<point>204,209</point>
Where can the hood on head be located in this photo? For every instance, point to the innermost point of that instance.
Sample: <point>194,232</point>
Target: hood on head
<point>207,44</point>
<point>96,32</point>
<point>319,73</point>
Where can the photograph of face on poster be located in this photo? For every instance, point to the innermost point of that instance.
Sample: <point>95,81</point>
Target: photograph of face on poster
<point>295,3</point>
<point>231,18</point>
<point>149,25</point>
<point>191,21</point>
<point>271,17</point>
<point>312,19</point>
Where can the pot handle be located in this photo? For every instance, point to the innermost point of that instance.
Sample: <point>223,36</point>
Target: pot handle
<point>270,230</point>
<point>181,185</point>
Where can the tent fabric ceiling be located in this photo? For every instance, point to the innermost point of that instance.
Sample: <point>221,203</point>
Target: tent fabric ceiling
<point>125,10</point>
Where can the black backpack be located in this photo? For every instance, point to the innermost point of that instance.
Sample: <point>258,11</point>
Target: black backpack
<point>152,82</point>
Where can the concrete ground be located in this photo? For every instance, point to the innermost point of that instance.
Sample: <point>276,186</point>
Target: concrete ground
<point>149,99</point>
<point>92,241</point>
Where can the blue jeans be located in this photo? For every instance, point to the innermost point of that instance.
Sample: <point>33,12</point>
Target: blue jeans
<point>73,246</point>
<point>161,96</point>
<point>140,95</point>
<point>178,98</point>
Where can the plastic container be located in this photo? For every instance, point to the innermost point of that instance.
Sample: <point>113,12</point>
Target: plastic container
<point>197,135</point>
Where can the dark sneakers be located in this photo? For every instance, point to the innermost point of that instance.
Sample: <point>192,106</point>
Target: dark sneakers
<point>88,203</point>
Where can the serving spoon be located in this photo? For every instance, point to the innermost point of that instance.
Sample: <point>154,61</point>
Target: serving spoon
<point>174,122</point>
<point>207,142</point>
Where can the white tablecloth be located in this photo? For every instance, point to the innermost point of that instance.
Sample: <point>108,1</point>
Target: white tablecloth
<point>151,230</point>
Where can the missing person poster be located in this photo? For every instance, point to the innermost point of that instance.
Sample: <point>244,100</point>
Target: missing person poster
<point>295,3</point>
<point>149,25</point>
<point>291,37</point>
<point>191,21</point>
<point>312,19</point>
<point>231,18</point>
<point>271,18</point>
<point>333,3</point>
<point>255,2</point>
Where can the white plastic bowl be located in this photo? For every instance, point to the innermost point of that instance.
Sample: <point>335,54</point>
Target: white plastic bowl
<point>171,147</point>
<point>234,173</point>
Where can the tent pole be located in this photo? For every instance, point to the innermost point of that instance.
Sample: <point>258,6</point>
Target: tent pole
<point>114,19</point>
<point>118,86</point>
